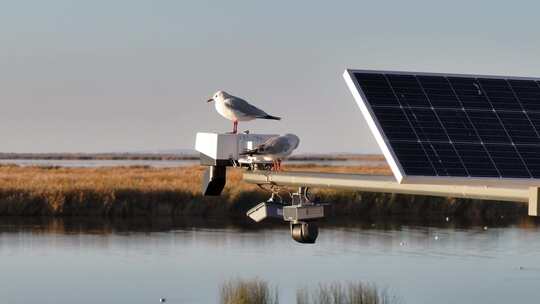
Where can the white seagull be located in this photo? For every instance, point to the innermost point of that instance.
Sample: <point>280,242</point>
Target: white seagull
<point>276,148</point>
<point>236,109</point>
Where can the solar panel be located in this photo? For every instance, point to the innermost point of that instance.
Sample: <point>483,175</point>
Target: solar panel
<point>452,127</point>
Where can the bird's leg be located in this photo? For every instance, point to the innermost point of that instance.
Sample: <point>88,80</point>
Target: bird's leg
<point>235,127</point>
<point>279,164</point>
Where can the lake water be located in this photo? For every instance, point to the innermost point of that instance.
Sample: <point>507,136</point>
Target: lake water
<point>124,262</point>
<point>164,163</point>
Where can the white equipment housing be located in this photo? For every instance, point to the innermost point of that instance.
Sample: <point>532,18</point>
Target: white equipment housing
<point>297,213</point>
<point>226,149</point>
<point>290,213</point>
<point>265,210</point>
<point>219,151</point>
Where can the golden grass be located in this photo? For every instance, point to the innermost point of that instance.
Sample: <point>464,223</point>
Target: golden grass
<point>376,170</point>
<point>253,291</point>
<point>106,178</point>
<point>346,293</point>
<point>126,190</point>
<point>185,179</point>
<point>256,291</point>
<point>146,191</point>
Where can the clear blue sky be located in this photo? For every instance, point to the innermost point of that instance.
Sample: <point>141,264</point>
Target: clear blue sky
<point>95,76</point>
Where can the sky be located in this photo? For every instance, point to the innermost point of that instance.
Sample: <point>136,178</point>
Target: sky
<point>130,75</point>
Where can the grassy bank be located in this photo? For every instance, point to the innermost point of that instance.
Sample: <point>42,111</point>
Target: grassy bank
<point>145,191</point>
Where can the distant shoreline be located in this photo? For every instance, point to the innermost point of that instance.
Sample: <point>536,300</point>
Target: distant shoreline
<point>171,156</point>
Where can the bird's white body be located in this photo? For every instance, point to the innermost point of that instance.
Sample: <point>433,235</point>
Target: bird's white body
<point>274,157</point>
<point>236,109</point>
<point>224,109</point>
<point>278,148</point>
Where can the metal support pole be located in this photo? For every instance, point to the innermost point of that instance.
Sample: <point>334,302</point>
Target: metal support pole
<point>534,202</point>
<point>387,184</point>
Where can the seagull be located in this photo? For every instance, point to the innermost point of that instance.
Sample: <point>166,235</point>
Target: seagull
<point>236,109</point>
<point>276,148</point>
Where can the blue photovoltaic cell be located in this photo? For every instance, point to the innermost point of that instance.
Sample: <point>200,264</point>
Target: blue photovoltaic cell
<point>460,126</point>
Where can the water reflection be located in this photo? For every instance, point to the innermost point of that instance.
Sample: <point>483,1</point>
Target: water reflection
<point>185,260</point>
<point>94,225</point>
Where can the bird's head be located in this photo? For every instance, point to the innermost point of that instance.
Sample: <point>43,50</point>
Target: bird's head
<point>219,96</point>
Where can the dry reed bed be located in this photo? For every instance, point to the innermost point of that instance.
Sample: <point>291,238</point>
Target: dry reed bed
<point>113,191</point>
<point>145,191</point>
<point>253,291</point>
<point>257,291</point>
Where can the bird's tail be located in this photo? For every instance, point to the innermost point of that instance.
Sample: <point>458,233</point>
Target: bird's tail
<point>270,117</point>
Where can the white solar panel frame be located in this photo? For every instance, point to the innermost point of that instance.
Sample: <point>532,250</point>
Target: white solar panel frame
<point>388,152</point>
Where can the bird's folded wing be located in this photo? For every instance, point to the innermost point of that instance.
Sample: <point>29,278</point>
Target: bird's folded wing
<point>240,105</point>
<point>273,145</point>
<point>276,145</point>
